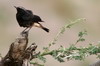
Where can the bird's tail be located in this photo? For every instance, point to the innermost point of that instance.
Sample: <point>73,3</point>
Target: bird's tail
<point>46,29</point>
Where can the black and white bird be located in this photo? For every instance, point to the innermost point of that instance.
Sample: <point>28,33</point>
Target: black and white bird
<point>27,19</point>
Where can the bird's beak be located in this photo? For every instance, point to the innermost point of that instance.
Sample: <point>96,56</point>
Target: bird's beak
<point>15,6</point>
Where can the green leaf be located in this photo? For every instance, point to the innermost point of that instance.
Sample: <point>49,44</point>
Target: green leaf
<point>35,63</point>
<point>41,58</point>
<point>60,59</point>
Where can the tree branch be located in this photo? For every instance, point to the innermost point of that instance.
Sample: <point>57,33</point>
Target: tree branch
<point>19,54</point>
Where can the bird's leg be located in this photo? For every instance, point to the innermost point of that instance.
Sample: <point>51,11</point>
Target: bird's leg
<point>29,28</point>
<point>25,29</point>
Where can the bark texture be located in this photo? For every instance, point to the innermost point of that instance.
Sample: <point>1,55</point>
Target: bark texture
<point>19,54</point>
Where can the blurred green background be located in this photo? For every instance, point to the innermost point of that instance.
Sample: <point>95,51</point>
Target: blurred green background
<point>55,14</point>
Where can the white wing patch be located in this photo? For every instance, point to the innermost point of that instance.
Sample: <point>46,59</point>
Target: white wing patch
<point>37,25</point>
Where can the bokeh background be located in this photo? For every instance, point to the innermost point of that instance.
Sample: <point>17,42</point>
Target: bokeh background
<point>55,14</point>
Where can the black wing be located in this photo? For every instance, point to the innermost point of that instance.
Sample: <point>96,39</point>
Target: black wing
<point>27,16</point>
<point>24,19</point>
<point>35,18</point>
